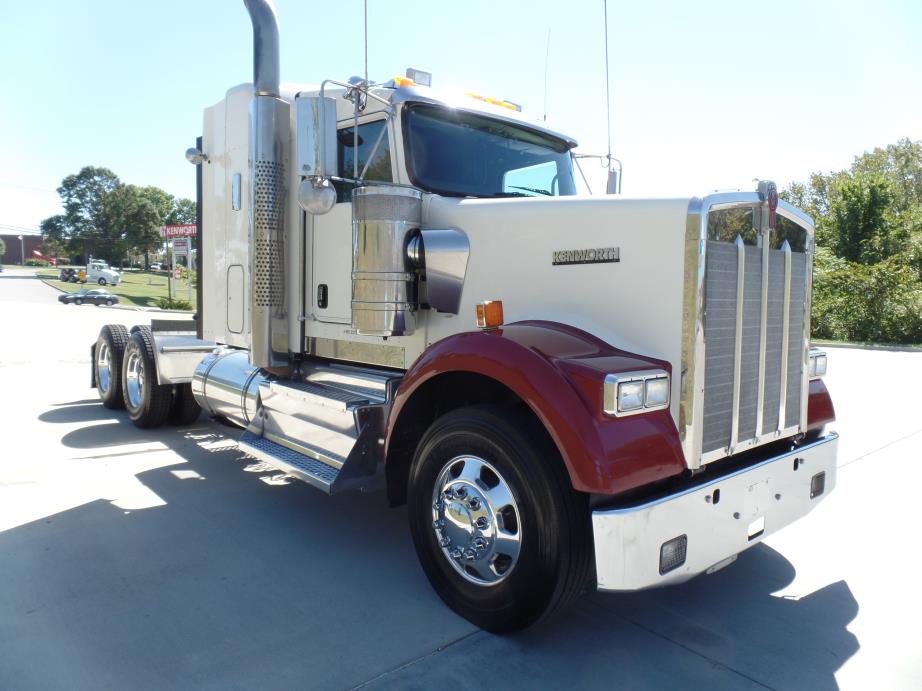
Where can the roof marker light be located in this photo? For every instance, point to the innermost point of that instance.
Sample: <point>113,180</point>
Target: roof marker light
<point>420,77</point>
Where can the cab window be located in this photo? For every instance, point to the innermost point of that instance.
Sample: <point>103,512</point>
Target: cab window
<point>351,155</point>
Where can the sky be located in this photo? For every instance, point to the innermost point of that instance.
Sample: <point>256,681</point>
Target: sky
<point>704,95</point>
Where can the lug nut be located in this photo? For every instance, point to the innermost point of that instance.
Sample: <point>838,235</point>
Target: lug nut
<point>461,492</point>
<point>469,554</point>
<point>456,553</point>
<point>474,504</point>
<point>481,523</point>
<point>444,542</point>
<point>439,524</point>
<point>479,543</point>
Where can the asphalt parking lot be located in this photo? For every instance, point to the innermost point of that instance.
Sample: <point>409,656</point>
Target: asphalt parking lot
<point>133,559</point>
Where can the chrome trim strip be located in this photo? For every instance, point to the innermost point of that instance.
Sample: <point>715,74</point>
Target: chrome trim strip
<point>763,332</point>
<point>785,335</point>
<point>188,349</point>
<point>808,301</point>
<point>356,351</point>
<point>691,377</point>
<point>738,346</point>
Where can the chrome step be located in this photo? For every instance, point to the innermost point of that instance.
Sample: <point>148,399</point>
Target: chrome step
<point>310,470</point>
<point>325,427</point>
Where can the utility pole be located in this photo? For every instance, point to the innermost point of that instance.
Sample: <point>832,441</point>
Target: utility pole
<point>22,252</point>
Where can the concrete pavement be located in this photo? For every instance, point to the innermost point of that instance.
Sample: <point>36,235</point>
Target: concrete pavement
<point>166,559</point>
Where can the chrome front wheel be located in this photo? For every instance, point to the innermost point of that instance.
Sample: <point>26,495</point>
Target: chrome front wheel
<point>476,520</point>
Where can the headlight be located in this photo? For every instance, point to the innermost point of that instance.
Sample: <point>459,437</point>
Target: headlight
<point>629,393</point>
<point>817,363</point>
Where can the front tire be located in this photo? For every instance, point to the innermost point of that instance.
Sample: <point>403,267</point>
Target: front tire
<point>147,402</point>
<point>101,281</point>
<point>78,301</point>
<point>499,531</point>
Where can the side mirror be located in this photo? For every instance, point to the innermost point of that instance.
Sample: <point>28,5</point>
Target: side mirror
<point>611,187</point>
<point>315,132</point>
<point>315,123</point>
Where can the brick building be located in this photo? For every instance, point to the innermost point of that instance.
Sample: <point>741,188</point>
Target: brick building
<point>15,248</point>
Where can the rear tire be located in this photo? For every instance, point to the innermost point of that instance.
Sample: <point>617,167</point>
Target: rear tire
<point>147,402</point>
<point>78,301</point>
<point>109,303</point>
<point>110,353</point>
<point>501,534</point>
<point>184,409</point>
<point>102,281</point>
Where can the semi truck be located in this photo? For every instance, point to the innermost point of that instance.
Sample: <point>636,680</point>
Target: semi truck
<point>402,291</point>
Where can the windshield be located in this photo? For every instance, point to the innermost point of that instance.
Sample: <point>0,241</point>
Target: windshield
<point>468,155</point>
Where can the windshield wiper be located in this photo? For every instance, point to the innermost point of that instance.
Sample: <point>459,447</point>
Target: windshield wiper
<point>500,195</point>
<point>533,189</point>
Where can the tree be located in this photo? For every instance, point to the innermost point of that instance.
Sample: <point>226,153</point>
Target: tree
<point>83,197</point>
<point>859,219</point>
<point>134,218</point>
<point>52,247</point>
<point>182,212</point>
<point>2,247</point>
<point>868,266</point>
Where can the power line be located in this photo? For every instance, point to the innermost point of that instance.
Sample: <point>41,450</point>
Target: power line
<point>20,229</point>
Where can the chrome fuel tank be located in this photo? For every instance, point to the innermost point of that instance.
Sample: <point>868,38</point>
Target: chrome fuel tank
<point>225,384</point>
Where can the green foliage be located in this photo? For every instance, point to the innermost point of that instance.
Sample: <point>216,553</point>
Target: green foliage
<point>867,283</point>
<point>37,262</point>
<point>2,247</point>
<point>173,304</point>
<point>106,218</point>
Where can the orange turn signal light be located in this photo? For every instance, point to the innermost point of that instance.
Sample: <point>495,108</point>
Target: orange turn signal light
<point>489,314</point>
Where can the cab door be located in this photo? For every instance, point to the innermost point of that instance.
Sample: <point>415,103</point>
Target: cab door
<point>331,255</point>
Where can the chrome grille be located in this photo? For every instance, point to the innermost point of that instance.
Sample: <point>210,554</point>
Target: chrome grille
<point>721,311</point>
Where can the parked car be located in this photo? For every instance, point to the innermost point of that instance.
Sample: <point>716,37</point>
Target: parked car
<point>96,296</point>
<point>156,266</point>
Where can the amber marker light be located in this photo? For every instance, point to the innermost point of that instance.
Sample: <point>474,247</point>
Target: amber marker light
<point>489,314</point>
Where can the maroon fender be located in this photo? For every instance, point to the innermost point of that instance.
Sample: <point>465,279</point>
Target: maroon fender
<point>558,371</point>
<point>819,406</point>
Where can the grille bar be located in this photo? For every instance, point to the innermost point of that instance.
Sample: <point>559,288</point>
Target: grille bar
<point>785,333</point>
<point>738,345</point>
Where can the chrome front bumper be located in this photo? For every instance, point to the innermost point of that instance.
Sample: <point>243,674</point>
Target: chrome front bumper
<point>750,505</point>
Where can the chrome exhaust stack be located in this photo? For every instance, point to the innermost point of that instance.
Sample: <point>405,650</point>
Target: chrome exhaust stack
<point>269,126</point>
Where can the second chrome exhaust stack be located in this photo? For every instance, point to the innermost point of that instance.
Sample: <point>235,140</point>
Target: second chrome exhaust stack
<point>269,124</point>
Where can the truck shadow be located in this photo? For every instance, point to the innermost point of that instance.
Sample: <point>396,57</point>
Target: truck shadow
<point>235,577</point>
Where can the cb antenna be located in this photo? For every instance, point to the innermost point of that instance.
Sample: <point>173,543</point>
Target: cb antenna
<point>547,53</point>
<point>366,42</point>
<point>614,183</point>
